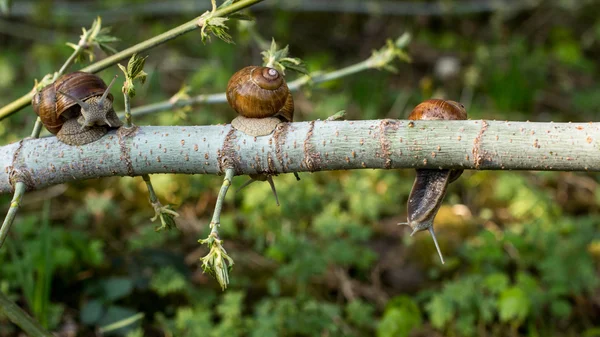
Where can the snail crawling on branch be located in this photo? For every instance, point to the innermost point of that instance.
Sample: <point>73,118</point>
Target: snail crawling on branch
<point>262,100</point>
<point>77,108</point>
<point>429,188</point>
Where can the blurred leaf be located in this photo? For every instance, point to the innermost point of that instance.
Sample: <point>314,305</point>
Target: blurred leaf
<point>401,316</point>
<point>513,305</point>
<point>5,6</point>
<point>193,322</point>
<point>91,312</point>
<point>168,280</point>
<point>440,310</point>
<point>117,287</point>
<point>560,309</point>
<point>496,283</point>
<point>361,313</point>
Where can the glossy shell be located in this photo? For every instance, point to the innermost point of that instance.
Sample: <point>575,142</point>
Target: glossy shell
<point>259,92</point>
<point>54,109</point>
<point>433,109</point>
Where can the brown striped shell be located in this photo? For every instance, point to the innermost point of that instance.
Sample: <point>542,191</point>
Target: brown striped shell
<point>54,109</point>
<point>433,109</point>
<point>259,92</point>
<point>261,98</point>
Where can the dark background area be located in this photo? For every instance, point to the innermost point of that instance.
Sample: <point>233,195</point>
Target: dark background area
<point>522,248</point>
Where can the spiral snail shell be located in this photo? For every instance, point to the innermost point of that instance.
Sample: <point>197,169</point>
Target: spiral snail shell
<point>77,108</point>
<point>430,185</point>
<point>261,98</point>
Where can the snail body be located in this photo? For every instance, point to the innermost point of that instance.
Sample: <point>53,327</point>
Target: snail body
<point>430,185</point>
<point>77,108</point>
<point>261,98</point>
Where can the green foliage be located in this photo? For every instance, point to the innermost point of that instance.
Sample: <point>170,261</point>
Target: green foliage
<point>525,246</point>
<point>134,71</point>
<point>168,281</point>
<point>401,316</point>
<point>279,59</point>
<point>97,36</point>
<point>549,264</point>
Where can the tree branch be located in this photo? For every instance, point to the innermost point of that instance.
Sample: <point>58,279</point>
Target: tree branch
<point>25,100</point>
<point>307,146</point>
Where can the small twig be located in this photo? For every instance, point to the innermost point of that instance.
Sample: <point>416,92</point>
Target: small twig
<point>135,71</point>
<point>128,122</point>
<point>12,211</point>
<point>165,213</point>
<point>217,262</point>
<point>216,218</point>
<point>21,318</point>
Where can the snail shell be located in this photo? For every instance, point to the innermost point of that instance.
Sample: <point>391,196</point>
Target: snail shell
<point>55,109</point>
<point>261,98</point>
<point>430,185</point>
<point>434,109</point>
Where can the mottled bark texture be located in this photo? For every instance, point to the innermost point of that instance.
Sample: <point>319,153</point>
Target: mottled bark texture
<point>306,146</point>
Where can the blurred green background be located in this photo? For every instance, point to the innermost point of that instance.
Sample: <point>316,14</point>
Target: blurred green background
<point>522,248</point>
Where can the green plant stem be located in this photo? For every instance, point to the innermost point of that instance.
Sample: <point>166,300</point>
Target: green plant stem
<point>295,85</point>
<point>126,100</point>
<point>153,197</point>
<point>21,318</point>
<point>12,211</point>
<point>25,100</point>
<point>216,218</point>
<point>74,55</point>
<point>37,128</point>
<point>122,323</point>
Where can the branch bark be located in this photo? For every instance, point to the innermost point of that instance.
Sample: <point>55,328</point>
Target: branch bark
<point>306,146</point>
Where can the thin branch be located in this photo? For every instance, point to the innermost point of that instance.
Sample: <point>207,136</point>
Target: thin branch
<point>25,100</point>
<point>216,218</point>
<point>308,147</point>
<point>12,211</point>
<point>21,318</point>
<point>217,262</point>
<point>375,61</point>
<point>218,98</point>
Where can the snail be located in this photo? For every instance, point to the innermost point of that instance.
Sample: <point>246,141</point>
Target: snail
<point>430,185</point>
<point>77,108</point>
<point>261,98</point>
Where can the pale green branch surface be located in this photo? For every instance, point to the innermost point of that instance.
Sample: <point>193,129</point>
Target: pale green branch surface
<point>308,146</point>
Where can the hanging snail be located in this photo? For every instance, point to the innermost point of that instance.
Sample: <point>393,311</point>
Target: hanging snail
<point>430,185</point>
<point>77,108</point>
